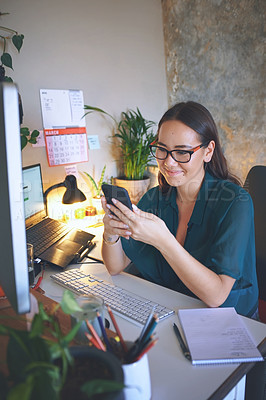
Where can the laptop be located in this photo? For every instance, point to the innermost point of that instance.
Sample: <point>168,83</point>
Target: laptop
<point>53,241</point>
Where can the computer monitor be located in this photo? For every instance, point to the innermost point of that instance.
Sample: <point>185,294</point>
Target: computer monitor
<point>14,278</point>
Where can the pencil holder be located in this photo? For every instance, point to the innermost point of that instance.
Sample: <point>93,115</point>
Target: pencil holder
<point>137,379</point>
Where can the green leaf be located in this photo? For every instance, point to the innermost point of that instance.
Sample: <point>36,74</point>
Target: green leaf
<point>3,330</point>
<point>94,185</point>
<point>21,391</point>
<point>69,304</point>
<point>23,350</point>
<point>101,180</point>
<point>7,60</point>
<point>25,131</point>
<point>101,386</point>
<point>35,133</point>
<point>91,109</point>
<point>18,41</point>
<point>47,383</point>
<point>70,336</point>
<point>43,314</point>
<point>37,325</point>
<point>23,141</point>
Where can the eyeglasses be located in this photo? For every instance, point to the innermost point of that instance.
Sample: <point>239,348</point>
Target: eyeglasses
<point>181,156</point>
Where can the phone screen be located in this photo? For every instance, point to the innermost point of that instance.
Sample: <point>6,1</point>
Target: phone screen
<point>118,193</point>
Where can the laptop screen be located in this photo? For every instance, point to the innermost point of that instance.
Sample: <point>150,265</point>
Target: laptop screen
<point>32,191</point>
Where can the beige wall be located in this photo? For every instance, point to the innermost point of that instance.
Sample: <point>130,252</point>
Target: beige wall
<point>112,50</point>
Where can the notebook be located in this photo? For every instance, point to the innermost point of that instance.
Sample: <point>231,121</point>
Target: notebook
<point>217,335</point>
<point>53,241</point>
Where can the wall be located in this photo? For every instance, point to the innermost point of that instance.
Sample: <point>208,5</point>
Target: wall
<point>112,50</point>
<point>215,56</point>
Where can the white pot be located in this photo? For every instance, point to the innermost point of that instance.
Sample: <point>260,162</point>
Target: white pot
<point>96,202</point>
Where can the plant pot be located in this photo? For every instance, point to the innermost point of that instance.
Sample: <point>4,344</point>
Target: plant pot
<point>135,188</point>
<point>96,202</point>
<point>91,363</point>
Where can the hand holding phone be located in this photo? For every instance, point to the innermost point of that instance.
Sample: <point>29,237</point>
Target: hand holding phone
<point>118,193</point>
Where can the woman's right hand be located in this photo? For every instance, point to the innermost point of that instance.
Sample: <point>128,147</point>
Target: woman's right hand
<point>113,227</point>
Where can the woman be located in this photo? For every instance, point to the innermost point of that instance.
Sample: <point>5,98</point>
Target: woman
<point>194,233</point>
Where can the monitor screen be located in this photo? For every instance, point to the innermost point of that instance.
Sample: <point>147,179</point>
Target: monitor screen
<point>14,278</point>
<point>32,190</point>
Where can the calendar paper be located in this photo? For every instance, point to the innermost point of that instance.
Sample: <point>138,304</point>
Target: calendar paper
<point>66,146</point>
<point>64,126</point>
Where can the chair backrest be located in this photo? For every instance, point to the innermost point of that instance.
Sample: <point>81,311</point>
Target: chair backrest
<point>255,184</point>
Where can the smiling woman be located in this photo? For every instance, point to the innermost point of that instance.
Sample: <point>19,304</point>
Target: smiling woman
<point>194,233</point>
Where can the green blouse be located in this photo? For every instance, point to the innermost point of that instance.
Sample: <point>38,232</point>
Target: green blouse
<point>220,235</point>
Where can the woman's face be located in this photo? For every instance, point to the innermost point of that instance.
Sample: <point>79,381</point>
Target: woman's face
<point>174,135</point>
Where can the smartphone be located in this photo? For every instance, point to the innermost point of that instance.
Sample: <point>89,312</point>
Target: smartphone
<point>118,193</point>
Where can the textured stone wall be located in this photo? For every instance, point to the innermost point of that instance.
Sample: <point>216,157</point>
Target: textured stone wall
<point>215,55</point>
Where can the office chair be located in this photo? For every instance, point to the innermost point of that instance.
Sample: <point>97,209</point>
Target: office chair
<point>255,184</point>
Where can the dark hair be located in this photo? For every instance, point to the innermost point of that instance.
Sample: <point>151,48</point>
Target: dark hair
<point>200,120</point>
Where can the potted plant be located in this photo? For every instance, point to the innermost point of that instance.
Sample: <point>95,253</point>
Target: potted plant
<point>134,134</point>
<point>11,36</point>
<point>41,361</point>
<point>96,189</point>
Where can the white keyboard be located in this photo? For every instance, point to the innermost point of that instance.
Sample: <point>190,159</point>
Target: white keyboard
<point>122,302</point>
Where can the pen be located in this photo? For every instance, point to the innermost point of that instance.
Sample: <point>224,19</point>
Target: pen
<point>105,338</point>
<point>181,342</point>
<point>146,325</point>
<point>149,330</point>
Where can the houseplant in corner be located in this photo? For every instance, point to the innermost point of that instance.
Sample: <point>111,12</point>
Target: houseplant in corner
<point>40,361</point>
<point>134,134</point>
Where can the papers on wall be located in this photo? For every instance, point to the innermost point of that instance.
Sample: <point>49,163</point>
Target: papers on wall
<point>64,126</point>
<point>217,335</point>
<point>93,141</point>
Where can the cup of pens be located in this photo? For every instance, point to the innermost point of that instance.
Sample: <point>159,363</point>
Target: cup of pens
<point>134,358</point>
<point>91,308</point>
<point>132,355</point>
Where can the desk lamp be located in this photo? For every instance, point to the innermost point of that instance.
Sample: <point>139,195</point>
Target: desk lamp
<point>72,193</point>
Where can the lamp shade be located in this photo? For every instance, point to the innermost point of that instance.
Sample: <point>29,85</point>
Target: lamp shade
<point>72,193</point>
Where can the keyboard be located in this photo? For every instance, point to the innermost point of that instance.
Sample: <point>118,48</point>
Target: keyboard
<point>45,234</point>
<point>126,304</point>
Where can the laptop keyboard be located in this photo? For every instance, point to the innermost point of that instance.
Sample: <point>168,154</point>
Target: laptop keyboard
<point>128,305</point>
<point>45,234</point>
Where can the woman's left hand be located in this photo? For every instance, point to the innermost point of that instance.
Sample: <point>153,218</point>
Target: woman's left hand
<point>145,227</point>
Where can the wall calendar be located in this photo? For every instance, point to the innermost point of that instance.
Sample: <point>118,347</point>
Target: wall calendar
<point>64,126</point>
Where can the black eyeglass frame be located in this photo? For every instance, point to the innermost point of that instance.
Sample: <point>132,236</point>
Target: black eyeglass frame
<point>190,152</point>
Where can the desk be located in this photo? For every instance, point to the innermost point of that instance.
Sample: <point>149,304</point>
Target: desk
<point>172,375</point>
